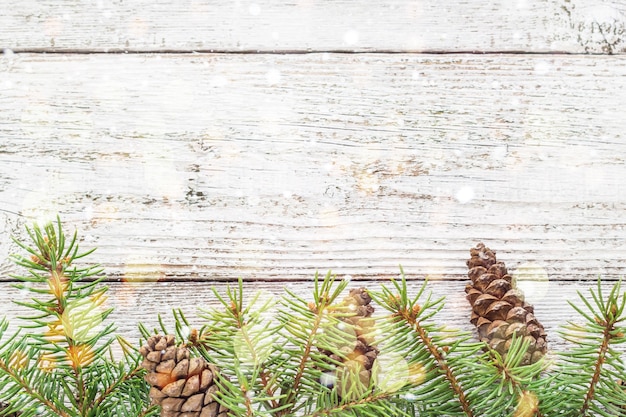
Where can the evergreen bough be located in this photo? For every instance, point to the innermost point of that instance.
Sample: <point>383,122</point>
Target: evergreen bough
<point>314,356</point>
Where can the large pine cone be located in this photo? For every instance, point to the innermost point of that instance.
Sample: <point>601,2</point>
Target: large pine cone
<point>182,386</point>
<point>498,309</point>
<point>356,310</point>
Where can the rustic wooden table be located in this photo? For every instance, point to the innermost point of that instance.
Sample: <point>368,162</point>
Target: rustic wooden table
<point>199,141</point>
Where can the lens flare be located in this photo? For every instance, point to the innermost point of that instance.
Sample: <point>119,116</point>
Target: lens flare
<point>527,405</point>
<point>82,319</point>
<point>46,362</point>
<point>533,280</point>
<point>392,372</point>
<point>253,343</point>
<point>18,360</point>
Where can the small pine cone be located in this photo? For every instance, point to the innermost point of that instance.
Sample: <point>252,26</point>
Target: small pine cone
<point>360,357</point>
<point>181,385</point>
<point>4,406</point>
<point>498,308</point>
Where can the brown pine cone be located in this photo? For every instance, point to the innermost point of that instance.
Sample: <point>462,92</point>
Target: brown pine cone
<point>3,406</point>
<point>356,310</point>
<point>498,308</point>
<point>181,385</point>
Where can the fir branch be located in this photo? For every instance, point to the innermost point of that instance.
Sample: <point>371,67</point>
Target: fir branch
<point>11,377</point>
<point>65,370</point>
<point>610,316</point>
<point>304,333</point>
<point>406,318</point>
<point>349,408</point>
<point>586,377</point>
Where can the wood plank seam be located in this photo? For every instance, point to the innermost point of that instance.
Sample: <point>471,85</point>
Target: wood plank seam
<point>119,51</point>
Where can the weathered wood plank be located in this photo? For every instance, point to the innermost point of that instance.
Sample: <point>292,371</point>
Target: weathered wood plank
<point>272,167</point>
<point>142,302</point>
<point>344,25</point>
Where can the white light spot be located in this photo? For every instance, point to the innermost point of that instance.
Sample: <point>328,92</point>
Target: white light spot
<point>465,195</point>
<point>351,37</point>
<point>275,35</point>
<point>495,85</point>
<point>254,9</point>
<point>8,52</point>
<point>273,77</point>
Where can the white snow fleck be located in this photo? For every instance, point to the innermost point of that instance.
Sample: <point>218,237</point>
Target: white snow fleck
<point>542,67</point>
<point>465,195</point>
<point>328,379</point>
<point>254,9</point>
<point>409,397</point>
<point>8,52</point>
<point>495,85</point>
<point>273,76</point>
<point>218,81</point>
<point>185,331</point>
<point>275,35</point>
<point>498,152</point>
<point>351,37</point>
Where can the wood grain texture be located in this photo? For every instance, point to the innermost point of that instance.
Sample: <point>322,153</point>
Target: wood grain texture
<point>142,302</point>
<point>270,167</point>
<point>575,26</point>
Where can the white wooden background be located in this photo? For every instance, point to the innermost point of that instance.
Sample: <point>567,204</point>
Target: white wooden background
<point>195,142</point>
